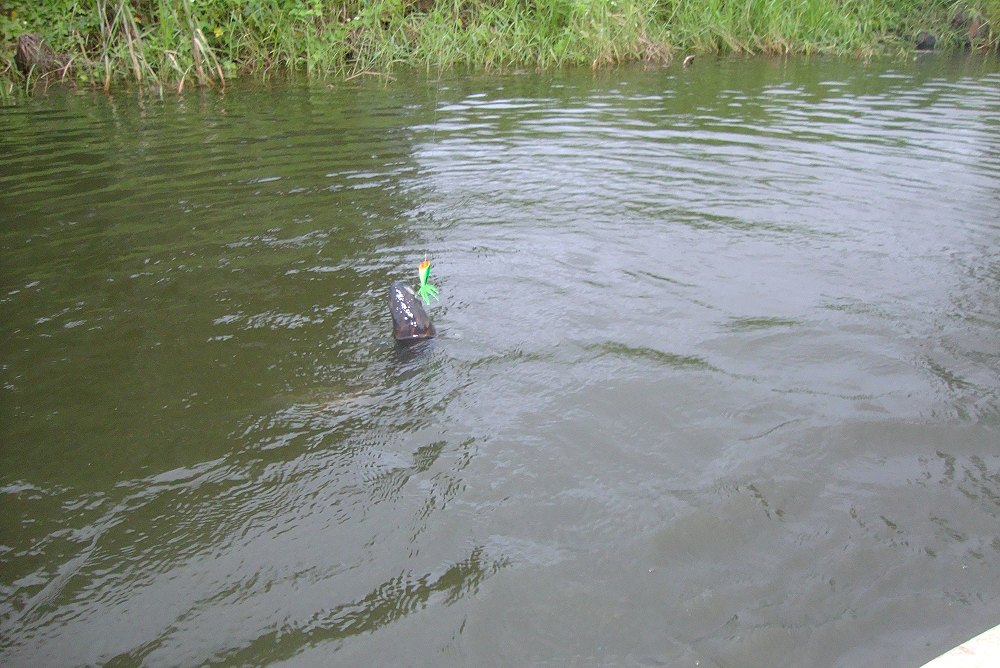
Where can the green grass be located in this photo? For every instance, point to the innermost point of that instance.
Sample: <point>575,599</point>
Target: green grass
<point>181,43</point>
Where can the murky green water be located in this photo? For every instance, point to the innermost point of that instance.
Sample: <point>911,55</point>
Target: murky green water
<point>717,380</point>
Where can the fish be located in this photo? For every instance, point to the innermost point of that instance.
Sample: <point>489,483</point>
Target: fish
<point>410,321</point>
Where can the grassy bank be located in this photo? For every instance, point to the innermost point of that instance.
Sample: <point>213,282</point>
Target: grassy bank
<point>190,42</point>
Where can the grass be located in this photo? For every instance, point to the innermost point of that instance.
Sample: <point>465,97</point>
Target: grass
<point>180,43</point>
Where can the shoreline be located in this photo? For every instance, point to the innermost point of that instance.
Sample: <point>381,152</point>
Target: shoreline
<point>135,43</point>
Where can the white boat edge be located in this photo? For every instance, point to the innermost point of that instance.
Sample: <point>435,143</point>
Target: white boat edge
<point>983,651</point>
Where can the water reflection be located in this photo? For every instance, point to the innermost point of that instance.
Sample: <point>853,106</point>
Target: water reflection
<point>715,381</point>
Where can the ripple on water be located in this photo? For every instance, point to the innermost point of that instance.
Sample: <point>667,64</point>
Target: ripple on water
<point>715,380</point>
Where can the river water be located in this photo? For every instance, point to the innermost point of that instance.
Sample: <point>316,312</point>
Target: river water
<point>717,380</point>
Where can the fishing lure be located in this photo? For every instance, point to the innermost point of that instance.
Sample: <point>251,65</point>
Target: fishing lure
<point>426,291</point>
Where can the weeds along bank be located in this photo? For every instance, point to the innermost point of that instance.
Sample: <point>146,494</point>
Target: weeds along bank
<point>186,42</point>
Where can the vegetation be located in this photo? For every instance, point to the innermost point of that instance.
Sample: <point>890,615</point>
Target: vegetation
<point>205,42</point>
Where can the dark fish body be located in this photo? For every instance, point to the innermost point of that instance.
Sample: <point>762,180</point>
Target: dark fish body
<point>410,321</point>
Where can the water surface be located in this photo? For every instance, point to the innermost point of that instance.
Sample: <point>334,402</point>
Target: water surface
<point>717,380</point>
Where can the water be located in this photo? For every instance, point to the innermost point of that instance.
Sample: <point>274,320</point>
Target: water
<point>717,380</point>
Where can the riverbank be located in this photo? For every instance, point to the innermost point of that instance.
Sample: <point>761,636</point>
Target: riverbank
<point>127,42</point>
